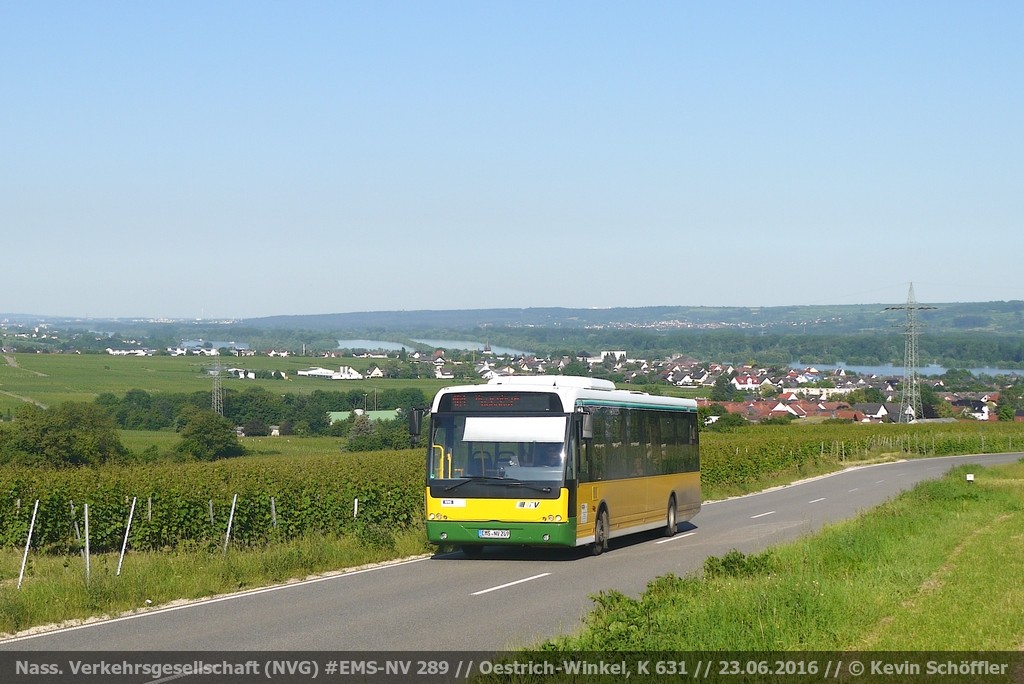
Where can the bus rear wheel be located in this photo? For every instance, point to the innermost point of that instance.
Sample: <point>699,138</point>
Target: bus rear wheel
<point>600,533</point>
<point>671,523</point>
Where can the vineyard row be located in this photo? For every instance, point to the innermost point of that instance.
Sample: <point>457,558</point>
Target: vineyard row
<point>188,505</point>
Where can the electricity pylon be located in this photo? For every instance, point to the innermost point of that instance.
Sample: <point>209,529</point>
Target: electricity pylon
<point>218,391</point>
<point>910,397</point>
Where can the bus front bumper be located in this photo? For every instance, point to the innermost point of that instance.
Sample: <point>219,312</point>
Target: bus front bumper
<point>518,533</point>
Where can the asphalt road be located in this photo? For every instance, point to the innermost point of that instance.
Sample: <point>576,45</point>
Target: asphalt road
<point>505,599</point>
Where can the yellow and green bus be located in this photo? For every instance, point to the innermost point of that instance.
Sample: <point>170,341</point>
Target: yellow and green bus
<point>557,461</point>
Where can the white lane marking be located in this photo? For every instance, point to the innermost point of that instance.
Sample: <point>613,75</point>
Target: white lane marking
<point>218,599</point>
<point>816,500</point>
<point>678,536</point>
<point>853,490</point>
<point>761,515</point>
<point>510,584</point>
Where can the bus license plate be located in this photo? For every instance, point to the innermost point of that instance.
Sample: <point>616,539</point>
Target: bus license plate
<point>493,534</point>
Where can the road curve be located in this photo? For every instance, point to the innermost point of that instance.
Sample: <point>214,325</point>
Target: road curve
<point>506,599</point>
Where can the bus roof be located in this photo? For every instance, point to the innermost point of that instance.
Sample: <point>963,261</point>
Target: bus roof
<point>574,391</point>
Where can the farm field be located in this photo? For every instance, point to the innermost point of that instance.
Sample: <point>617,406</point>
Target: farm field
<point>288,447</point>
<point>303,504</point>
<point>49,379</point>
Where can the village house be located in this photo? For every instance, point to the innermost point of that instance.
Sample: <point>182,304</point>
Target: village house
<point>877,413</point>
<point>129,352</point>
<point>343,373</point>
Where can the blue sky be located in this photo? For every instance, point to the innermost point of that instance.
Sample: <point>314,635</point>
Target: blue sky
<point>240,159</point>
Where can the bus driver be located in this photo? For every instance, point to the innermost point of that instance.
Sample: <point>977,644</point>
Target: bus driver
<point>548,454</point>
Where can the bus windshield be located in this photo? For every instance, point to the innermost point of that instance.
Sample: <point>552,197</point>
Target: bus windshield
<point>525,448</point>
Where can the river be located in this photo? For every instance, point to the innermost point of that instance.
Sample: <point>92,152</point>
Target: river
<point>891,370</point>
<point>466,345</point>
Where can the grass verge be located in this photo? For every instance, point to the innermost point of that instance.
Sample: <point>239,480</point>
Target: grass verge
<point>937,568</point>
<point>54,589</point>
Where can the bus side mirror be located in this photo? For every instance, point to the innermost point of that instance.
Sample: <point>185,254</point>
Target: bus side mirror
<point>587,429</point>
<point>415,425</point>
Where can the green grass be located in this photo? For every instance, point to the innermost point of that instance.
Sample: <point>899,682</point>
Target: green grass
<point>51,379</point>
<point>937,568</point>
<point>165,441</point>
<point>54,589</point>
<point>977,587</point>
<point>138,441</point>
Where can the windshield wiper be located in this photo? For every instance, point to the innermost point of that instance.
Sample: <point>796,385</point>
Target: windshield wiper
<point>519,483</point>
<point>491,480</point>
<point>473,478</point>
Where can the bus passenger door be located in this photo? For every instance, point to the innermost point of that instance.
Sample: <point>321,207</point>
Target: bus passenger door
<point>572,473</point>
<point>588,474</point>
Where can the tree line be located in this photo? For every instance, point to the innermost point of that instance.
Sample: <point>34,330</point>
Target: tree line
<point>87,433</point>
<point>78,433</point>
<point>255,409</point>
<point>949,349</point>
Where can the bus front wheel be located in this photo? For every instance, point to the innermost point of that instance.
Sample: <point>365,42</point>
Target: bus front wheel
<point>600,533</point>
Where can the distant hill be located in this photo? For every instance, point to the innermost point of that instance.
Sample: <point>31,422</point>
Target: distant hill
<point>994,317</point>
<point>1005,317</point>
<point>955,335</point>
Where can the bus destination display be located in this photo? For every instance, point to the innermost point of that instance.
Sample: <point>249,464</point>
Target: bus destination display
<point>501,401</point>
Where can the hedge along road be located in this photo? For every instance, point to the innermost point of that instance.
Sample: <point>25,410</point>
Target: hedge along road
<point>508,598</point>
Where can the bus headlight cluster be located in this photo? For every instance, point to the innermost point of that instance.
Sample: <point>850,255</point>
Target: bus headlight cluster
<point>436,516</point>
<point>551,518</point>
